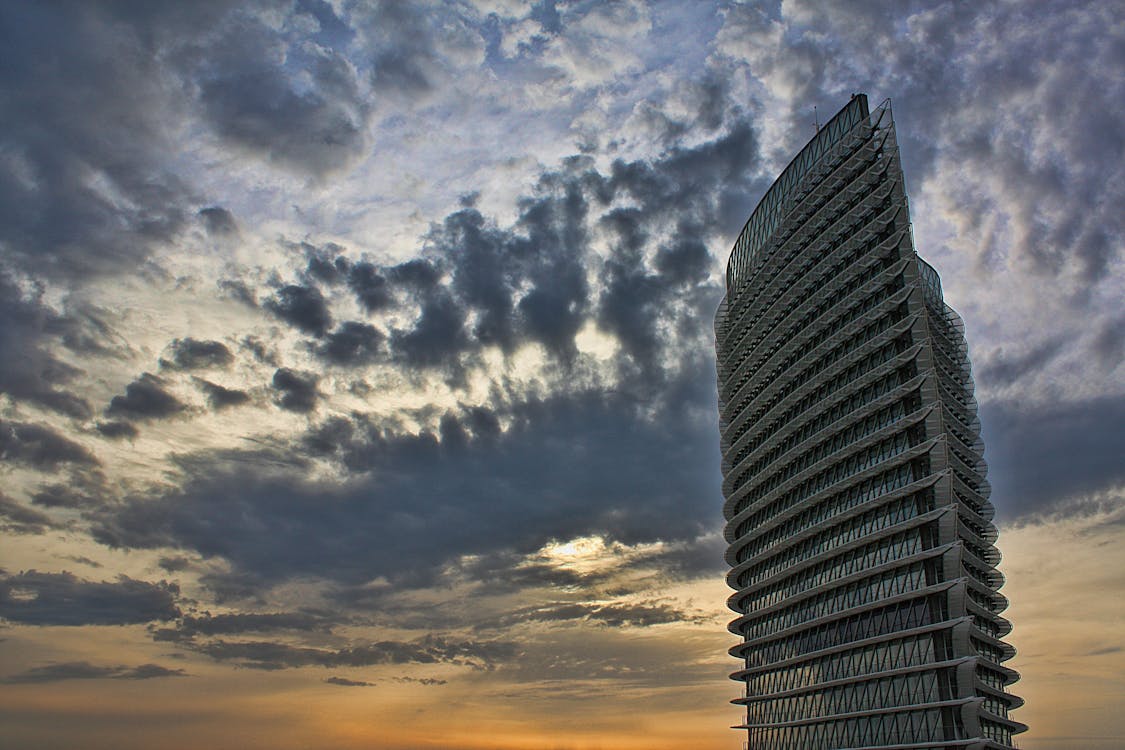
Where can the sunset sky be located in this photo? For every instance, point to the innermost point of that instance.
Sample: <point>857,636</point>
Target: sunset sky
<point>357,369</point>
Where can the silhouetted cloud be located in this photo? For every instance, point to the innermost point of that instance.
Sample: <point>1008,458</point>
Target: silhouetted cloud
<point>302,307</point>
<point>145,398</point>
<point>429,649</point>
<point>369,286</point>
<point>469,492</point>
<point>297,390</point>
<point>115,430</point>
<point>193,354</point>
<point>40,446</point>
<point>82,670</point>
<point>19,519</point>
<point>36,598</point>
<point>437,337</point>
<point>207,624</point>
<point>325,263</point>
<point>57,495</point>
<point>352,343</point>
<point>344,682</point>
<point>220,397</point>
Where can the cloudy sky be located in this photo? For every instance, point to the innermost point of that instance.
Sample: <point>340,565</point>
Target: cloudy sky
<point>356,372</point>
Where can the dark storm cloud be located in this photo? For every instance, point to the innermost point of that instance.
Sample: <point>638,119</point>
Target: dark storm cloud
<point>1042,458</point>
<point>19,519</point>
<point>193,354</point>
<point>35,598</point>
<point>296,390</point>
<point>220,397</point>
<point>82,670</point>
<point>28,370</point>
<point>302,307</point>
<point>145,398</point>
<point>416,502</point>
<point>39,446</point>
<point>353,343</point>
<point>219,221</point>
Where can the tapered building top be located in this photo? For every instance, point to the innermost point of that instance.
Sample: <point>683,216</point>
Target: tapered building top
<point>860,529</point>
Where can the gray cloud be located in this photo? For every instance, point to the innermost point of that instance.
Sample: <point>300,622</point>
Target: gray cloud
<point>352,343</point>
<point>220,397</point>
<point>617,615</point>
<point>194,354</point>
<point>325,263</point>
<point>54,219</point>
<point>145,398</point>
<point>16,518</point>
<point>466,493</point>
<point>36,598</point>
<point>430,649</point>
<point>207,624</point>
<point>413,50</point>
<point>59,495</point>
<point>369,286</point>
<point>82,670</point>
<point>344,682</point>
<point>115,430</point>
<point>219,221</point>
<point>1042,457</point>
<point>40,446</point>
<point>302,307</point>
<point>28,370</point>
<point>250,95</point>
<point>437,337</point>
<point>296,390</point>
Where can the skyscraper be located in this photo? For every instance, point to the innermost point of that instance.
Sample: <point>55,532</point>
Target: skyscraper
<point>860,530</point>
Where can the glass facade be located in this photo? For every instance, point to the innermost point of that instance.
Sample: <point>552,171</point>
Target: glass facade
<point>860,530</point>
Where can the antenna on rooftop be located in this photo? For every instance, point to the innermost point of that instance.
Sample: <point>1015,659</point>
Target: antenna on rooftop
<point>816,118</point>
